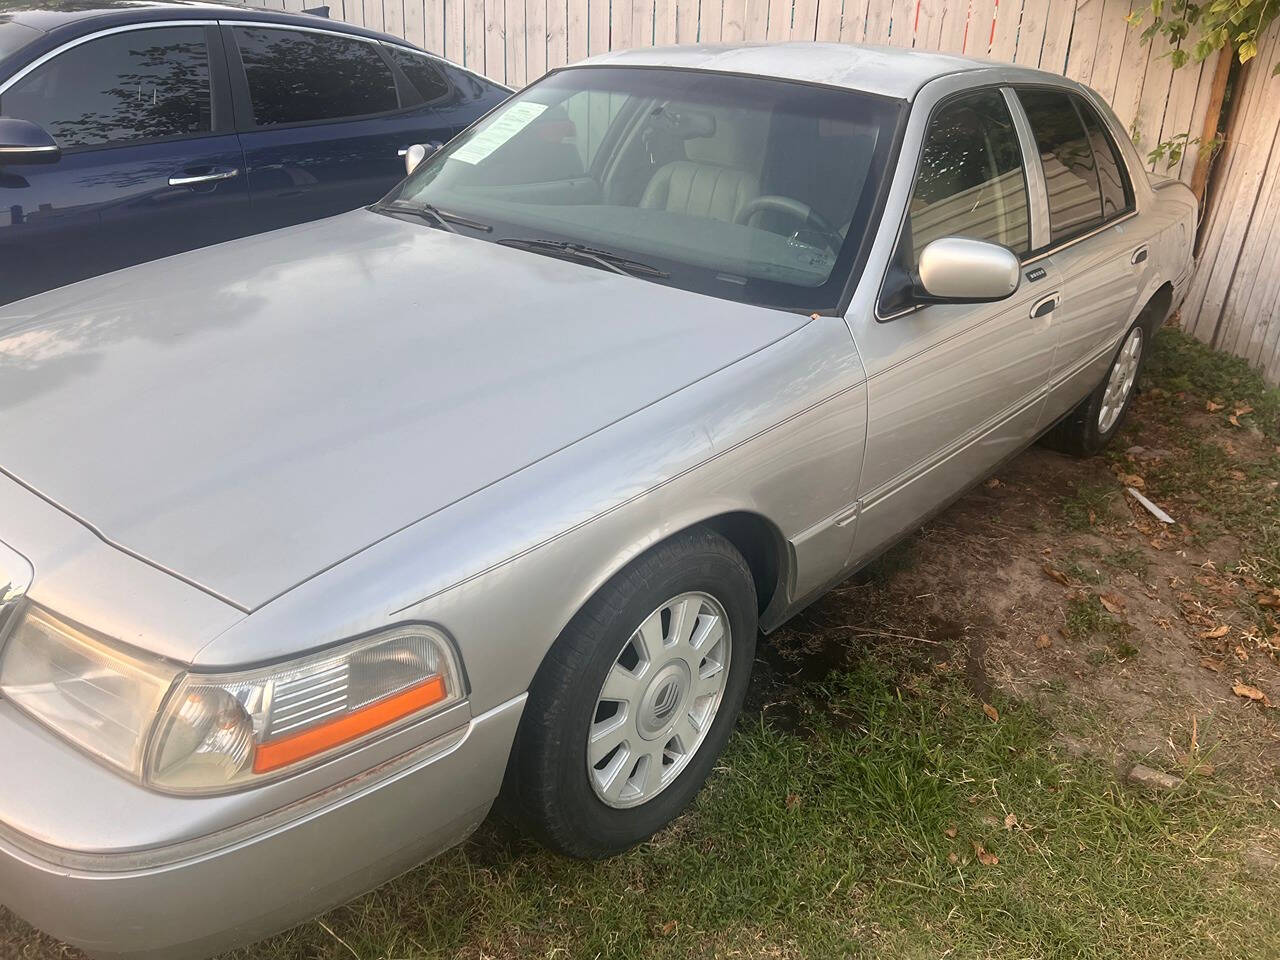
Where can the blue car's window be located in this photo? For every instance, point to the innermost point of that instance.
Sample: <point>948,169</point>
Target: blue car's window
<point>297,76</point>
<point>423,72</point>
<point>744,188</point>
<point>137,85</point>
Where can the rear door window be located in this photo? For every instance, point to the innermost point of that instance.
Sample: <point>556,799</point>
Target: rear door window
<point>126,87</point>
<point>302,76</point>
<point>1067,158</point>
<point>424,72</point>
<point>1117,194</point>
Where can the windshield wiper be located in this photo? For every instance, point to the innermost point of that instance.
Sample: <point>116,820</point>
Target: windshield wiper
<point>577,251</point>
<point>426,211</point>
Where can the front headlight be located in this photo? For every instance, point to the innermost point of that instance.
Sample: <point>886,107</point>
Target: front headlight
<point>90,691</point>
<point>215,732</point>
<point>221,731</point>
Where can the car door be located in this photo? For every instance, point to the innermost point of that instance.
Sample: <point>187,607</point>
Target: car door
<point>323,120</point>
<point>953,388</point>
<point>1092,242</point>
<point>150,164</point>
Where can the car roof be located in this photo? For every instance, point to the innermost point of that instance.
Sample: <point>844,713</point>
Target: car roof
<point>887,71</point>
<point>50,15</point>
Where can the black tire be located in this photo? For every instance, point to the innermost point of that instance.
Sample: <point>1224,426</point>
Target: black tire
<point>1079,433</point>
<point>548,788</point>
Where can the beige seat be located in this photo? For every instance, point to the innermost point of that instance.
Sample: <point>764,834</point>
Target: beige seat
<point>700,189</point>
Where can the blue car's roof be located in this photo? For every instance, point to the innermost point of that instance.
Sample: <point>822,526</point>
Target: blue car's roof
<point>67,16</point>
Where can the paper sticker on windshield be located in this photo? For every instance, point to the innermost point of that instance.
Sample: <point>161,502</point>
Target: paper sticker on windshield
<point>514,119</point>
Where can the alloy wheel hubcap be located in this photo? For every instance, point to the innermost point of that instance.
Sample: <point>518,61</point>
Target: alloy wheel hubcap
<point>659,699</point>
<point>1120,384</point>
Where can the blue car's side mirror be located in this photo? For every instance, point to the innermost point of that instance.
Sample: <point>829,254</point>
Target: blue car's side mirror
<point>22,141</point>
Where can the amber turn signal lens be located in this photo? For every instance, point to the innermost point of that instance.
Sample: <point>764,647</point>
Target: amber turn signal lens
<point>275,754</point>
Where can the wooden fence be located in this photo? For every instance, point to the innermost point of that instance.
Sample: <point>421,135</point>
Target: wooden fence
<point>1234,301</point>
<point>516,41</point>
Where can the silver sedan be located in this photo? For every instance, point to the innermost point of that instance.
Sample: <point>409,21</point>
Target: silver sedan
<point>313,541</point>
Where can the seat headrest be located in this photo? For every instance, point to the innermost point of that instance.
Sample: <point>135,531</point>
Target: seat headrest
<point>689,124</point>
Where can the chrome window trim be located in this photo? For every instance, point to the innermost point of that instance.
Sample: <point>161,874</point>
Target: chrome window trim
<point>71,44</point>
<point>1107,225</point>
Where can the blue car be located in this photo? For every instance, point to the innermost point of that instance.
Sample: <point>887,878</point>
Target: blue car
<point>133,130</point>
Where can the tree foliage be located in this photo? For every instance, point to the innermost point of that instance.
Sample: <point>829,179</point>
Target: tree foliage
<point>1236,25</point>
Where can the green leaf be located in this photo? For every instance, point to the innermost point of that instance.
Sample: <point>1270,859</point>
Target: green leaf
<point>1248,50</point>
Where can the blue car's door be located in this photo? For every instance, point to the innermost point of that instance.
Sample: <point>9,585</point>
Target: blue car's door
<point>324,116</point>
<point>150,162</point>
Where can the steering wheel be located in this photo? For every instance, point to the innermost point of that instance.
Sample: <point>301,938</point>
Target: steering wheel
<point>808,217</point>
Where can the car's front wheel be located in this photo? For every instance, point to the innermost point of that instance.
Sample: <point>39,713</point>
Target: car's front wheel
<point>637,698</point>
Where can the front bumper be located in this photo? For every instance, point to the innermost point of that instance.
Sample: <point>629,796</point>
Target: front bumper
<point>244,883</point>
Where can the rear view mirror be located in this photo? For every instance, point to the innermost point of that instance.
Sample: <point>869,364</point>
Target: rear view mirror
<point>960,270</point>
<point>414,155</point>
<point>22,141</point>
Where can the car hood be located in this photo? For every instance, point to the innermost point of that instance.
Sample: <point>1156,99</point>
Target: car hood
<point>247,415</point>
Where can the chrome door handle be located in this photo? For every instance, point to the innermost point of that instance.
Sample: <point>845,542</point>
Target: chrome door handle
<point>203,178</point>
<point>1044,306</point>
<point>1139,256</point>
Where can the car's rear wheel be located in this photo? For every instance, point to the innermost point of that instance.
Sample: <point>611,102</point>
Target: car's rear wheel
<point>637,698</point>
<point>1098,418</point>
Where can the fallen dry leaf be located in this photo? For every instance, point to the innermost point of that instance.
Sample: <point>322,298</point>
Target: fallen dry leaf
<point>1242,654</point>
<point>952,858</point>
<point>1213,407</point>
<point>1211,664</point>
<point>668,928</point>
<point>1113,602</point>
<point>793,801</point>
<point>1053,573</point>
<point>1233,421</point>
<point>1010,821</point>
<point>985,858</point>
<point>1241,411</point>
<point>1250,692</point>
<point>1216,632</point>
<point>993,482</point>
<point>951,831</point>
<point>1132,480</point>
<point>991,712</point>
<point>1043,642</point>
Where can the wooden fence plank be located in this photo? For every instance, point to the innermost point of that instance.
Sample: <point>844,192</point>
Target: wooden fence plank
<point>733,21</point>
<point>830,19</point>
<point>1155,95</point>
<point>879,13</point>
<point>664,22</point>
<point>980,29</point>
<point>951,33</point>
<point>1004,42</point>
<point>513,39</point>
<point>757,20</point>
<point>495,51</point>
<point>1260,273</point>
<point>1083,50</point>
<point>1208,113</point>
<point>779,26</point>
<point>711,21</point>
<point>1031,31</point>
<point>1133,67</point>
<point>535,42</point>
<point>597,28</point>
<point>576,30</point>
<point>411,26</point>
<point>804,20</point>
<point>473,36</point>
<point>454,29</point>
<point>853,21</point>
<point>432,23</point>
<point>1178,111</point>
<point>902,26</point>
<point>1109,50</point>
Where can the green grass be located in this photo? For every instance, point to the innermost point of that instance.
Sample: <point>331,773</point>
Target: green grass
<point>1087,506</point>
<point>835,844</point>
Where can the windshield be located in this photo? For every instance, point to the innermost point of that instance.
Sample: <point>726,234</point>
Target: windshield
<point>743,188</point>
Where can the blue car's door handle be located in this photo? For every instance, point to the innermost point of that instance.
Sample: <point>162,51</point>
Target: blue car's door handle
<point>188,180</point>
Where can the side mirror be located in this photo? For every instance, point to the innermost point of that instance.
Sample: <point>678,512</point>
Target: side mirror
<point>22,141</point>
<point>959,270</point>
<point>415,154</point>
